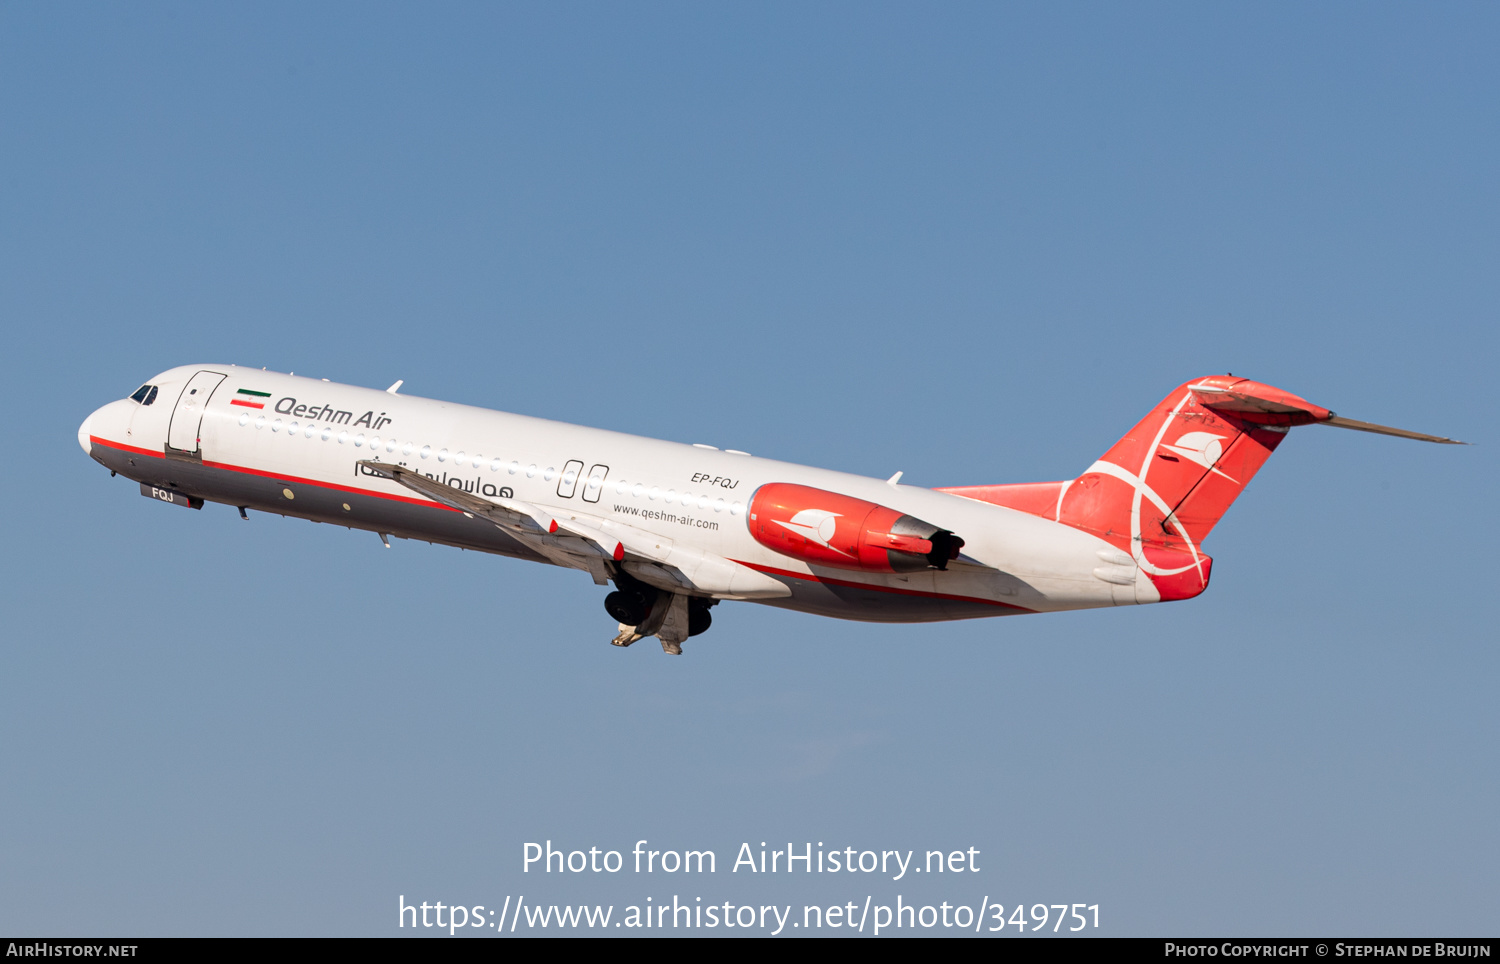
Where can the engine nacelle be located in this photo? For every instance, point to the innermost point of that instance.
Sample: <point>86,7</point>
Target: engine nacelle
<point>828,529</point>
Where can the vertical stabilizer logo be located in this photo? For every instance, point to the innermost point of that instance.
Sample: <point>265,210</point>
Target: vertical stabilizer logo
<point>1205,448</point>
<point>248,398</point>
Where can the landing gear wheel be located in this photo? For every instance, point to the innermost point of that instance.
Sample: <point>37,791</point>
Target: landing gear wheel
<point>699,619</point>
<point>627,607</point>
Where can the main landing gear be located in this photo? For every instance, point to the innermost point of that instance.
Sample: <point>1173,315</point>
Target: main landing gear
<point>643,610</point>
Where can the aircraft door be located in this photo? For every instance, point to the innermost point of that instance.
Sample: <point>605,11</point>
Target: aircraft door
<point>569,481</point>
<point>187,417</point>
<point>595,483</point>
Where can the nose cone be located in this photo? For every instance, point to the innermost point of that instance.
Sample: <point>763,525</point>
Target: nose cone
<point>84,433</point>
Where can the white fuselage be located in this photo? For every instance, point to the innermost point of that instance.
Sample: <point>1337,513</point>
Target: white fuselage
<point>299,453</point>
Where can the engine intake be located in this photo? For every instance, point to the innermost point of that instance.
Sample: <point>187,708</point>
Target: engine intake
<point>828,529</point>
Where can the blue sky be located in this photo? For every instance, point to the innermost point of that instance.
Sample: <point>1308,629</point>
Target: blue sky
<point>972,242</point>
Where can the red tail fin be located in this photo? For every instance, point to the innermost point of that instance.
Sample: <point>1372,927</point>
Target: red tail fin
<point>1159,490</point>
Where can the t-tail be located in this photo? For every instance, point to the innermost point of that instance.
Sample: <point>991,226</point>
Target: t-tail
<point>1159,491</point>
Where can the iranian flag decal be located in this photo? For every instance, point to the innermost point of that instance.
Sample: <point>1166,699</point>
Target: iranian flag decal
<point>250,399</point>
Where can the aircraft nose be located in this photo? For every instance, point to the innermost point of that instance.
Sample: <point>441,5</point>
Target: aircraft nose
<point>84,433</point>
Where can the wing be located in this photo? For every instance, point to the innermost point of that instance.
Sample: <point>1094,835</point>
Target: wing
<point>582,541</point>
<point>529,525</point>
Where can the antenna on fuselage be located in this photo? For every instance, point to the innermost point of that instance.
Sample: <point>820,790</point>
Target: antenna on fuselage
<point>392,389</point>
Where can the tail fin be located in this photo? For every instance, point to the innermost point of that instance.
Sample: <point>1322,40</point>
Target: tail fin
<point>1159,491</point>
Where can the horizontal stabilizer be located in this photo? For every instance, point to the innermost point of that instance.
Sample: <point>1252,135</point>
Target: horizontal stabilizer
<point>1266,405</point>
<point>1252,399</point>
<point>1340,422</point>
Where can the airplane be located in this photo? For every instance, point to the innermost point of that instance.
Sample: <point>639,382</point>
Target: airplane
<point>679,528</point>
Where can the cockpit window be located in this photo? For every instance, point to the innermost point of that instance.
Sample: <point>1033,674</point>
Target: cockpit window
<point>146,394</point>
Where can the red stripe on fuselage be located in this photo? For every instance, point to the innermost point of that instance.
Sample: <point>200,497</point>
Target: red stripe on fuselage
<point>281,477</point>
<point>236,401</point>
<point>96,440</point>
<point>809,577</point>
<point>769,570</point>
